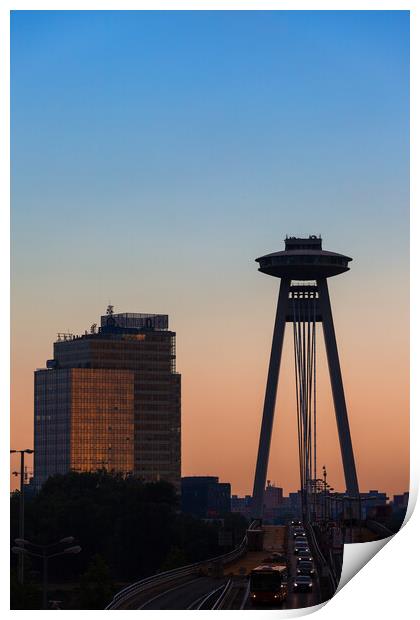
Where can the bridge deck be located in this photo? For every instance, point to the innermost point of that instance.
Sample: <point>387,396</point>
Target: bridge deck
<point>274,540</point>
<point>362,535</point>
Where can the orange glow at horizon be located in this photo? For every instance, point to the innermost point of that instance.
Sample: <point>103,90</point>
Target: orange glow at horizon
<point>155,155</point>
<point>223,362</point>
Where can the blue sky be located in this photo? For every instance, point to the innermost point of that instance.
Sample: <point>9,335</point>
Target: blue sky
<point>156,154</point>
<point>213,132</point>
<point>187,115</point>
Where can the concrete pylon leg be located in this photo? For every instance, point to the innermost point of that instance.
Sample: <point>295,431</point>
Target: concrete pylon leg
<point>270,401</point>
<point>343,427</point>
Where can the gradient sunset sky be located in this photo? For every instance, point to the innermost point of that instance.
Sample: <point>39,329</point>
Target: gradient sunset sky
<point>156,154</point>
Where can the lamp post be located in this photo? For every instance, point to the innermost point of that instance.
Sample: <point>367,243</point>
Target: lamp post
<point>324,477</point>
<point>330,503</point>
<point>45,556</point>
<point>318,499</point>
<point>21,507</point>
<point>327,502</point>
<point>336,508</point>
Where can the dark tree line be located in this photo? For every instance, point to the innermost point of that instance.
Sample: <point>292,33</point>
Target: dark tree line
<point>127,530</point>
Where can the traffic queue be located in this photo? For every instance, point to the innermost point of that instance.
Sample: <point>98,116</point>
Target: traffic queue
<point>305,570</point>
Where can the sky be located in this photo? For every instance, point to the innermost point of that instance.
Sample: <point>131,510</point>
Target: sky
<point>156,154</point>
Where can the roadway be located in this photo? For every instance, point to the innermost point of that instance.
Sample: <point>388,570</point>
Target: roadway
<point>202,590</point>
<point>186,595</point>
<point>295,600</point>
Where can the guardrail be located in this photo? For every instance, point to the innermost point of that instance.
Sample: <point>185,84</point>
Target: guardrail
<point>322,561</point>
<point>234,595</point>
<point>246,594</point>
<point>379,528</point>
<point>203,600</point>
<point>123,596</point>
<point>220,600</point>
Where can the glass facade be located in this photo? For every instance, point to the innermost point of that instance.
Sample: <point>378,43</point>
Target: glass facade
<point>84,421</point>
<point>122,407</point>
<point>102,420</point>
<point>52,423</point>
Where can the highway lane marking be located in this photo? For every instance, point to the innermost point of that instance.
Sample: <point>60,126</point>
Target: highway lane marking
<point>246,595</point>
<point>166,592</point>
<point>205,597</point>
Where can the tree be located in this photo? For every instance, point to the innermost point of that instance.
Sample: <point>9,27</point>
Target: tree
<point>96,586</point>
<point>136,529</point>
<point>175,558</point>
<point>24,596</point>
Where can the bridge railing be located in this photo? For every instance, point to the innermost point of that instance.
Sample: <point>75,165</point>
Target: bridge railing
<point>378,528</point>
<point>123,596</point>
<point>221,598</point>
<point>322,563</point>
<point>234,595</point>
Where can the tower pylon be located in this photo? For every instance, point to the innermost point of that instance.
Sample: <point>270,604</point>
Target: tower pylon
<point>303,268</point>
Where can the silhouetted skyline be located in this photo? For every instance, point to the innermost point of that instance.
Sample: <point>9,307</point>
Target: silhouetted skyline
<point>156,154</point>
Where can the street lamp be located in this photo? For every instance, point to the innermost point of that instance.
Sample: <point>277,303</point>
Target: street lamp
<point>75,549</point>
<point>324,481</point>
<point>21,506</point>
<point>68,539</point>
<point>22,551</point>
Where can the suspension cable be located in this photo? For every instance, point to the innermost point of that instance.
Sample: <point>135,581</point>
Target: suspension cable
<point>304,340</point>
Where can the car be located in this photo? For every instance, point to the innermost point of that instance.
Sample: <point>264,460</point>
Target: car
<point>299,532</point>
<point>302,583</point>
<point>295,522</point>
<point>305,567</point>
<point>299,560</point>
<point>301,539</point>
<point>300,549</point>
<point>305,556</point>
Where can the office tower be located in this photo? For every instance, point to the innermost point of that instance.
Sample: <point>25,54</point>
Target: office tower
<point>111,399</point>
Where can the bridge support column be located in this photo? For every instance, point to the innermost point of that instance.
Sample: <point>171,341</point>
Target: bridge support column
<point>343,427</point>
<point>270,401</point>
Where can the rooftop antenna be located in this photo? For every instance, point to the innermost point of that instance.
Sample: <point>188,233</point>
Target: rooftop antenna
<point>110,309</point>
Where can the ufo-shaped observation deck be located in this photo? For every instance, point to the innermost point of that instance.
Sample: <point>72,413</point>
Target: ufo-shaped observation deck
<point>303,259</point>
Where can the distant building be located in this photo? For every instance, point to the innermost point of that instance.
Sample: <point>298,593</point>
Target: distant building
<point>273,496</point>
<point>296,504</point>
<point>371,501</point>
<point>242,505</point>
<point>400,502</point>
<point>339,505</point>
<point>274,504</point>
<point>205,496</point>
<point>285,512</point>
<point>273,499</point>
<point>111,399</point>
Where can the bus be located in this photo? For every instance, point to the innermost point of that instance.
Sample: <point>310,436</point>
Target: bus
<point>268,584</point>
